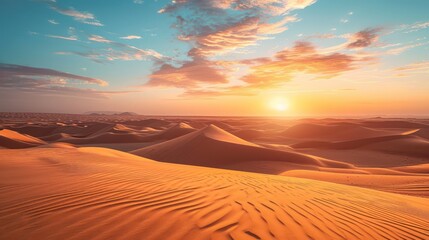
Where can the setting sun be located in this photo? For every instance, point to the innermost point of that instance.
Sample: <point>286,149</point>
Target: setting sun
<point>279,104</point>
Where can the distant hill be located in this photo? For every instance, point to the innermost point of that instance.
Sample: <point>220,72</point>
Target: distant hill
<point>96,113</point>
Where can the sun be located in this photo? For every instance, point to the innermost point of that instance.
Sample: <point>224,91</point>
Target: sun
<point>279,104</point>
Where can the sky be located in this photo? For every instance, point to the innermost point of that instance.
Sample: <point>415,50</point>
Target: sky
<point>216,57</point>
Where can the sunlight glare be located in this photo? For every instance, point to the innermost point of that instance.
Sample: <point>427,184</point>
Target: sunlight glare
<point>279,104</point>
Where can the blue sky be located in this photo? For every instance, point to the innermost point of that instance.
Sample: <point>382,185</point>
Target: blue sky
<point>150,53</point>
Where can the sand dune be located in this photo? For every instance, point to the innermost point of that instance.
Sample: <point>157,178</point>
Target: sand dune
<point>151,123</point>
<point>409,185</point>
<point>339,131</point>
<point>406,145</point>
<point>36,131</point>
<point>94,193</point>
<point>424,133</point>
<point>12,139</point>
<point>215,147</point>
<point>56,137</point>
<point>413,146</point>
<point>249,134</point>
<point>108,137</point>
<point>176,130</point>
<point>393,124</point>
<point>123,134</point>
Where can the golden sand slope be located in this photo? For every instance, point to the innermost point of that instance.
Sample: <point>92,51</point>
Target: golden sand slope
<point>12,139</point>
<point>415,185</point>
<point>96,193</point>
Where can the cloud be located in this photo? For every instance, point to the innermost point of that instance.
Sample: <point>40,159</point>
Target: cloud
<point>364,38</point>
<point>130,37</point>
<point>420,25</point>
<point>414,27</point>
<point>400,50</point>
<point>304,58</point>
<point>47,81</point>
<point>115,51</point>
<point>275,7</point>
<point>17,74</point>
<point>83,17</point>
<point>418,67</point>
<point>97,38</point>
<point>263,73</point>
<point>191,74</point>
<point>215,27</point>
<point>138,1</point>
<point>53,21</point>
<point>70,38</point>
<point>243,33</point>
<point>72,35</point>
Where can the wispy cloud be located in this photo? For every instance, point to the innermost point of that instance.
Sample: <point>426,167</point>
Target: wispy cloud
<point>70,38</point>
<point>18,75</point>
<point>47,81</point>
<point>418,67</point>
<point>97,38</point>
<point>131,37</point>
<point>404,47</point>
<point>52,21</point>
<point>80,16</point>
<point>414,27</point>
<point>72,35</point>
<point>115,51</point>
<point>138,1</point>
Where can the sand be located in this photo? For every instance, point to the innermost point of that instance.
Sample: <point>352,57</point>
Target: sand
<point>96,193</point>
<point>65,176</point>
<point>12,139</point>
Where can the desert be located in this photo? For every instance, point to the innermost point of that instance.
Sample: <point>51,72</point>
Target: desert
<point>188,178</point>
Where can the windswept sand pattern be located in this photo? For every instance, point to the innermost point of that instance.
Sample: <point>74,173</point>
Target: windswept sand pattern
<point>95,193</point>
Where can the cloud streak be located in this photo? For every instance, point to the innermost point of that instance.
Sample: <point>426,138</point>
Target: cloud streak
<point>115,51</point>
<point>10,72</point>
<point>43,80</point>
<point>131,37</point>
<point>80,16</point>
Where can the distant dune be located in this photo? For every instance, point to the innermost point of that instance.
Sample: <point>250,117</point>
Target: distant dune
<point>96,193</point>
<point>337,131</point>
<point>396,144</point>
